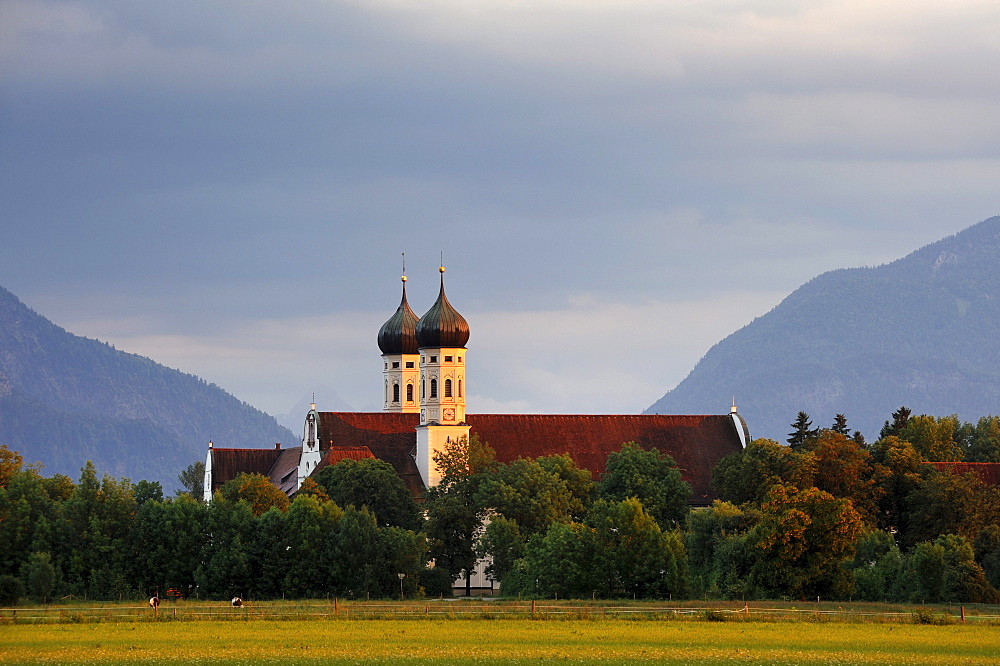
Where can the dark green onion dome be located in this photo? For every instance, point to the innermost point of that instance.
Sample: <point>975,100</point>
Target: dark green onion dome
<point>442,326</point>
<point>399,334</point>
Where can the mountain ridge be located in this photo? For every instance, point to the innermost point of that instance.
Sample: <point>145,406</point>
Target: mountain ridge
<point>66,399</point>
<point>921,331</point>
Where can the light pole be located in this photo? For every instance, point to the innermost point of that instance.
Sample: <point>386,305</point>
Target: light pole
<point>401,577</point>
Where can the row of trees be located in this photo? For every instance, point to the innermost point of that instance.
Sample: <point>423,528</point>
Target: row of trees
<point>829,515</point>
<point>110,539</point>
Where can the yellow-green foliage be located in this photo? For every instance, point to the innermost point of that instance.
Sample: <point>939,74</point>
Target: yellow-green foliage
<point>497,641</point>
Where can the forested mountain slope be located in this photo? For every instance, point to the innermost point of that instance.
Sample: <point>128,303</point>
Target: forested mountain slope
<point>65,399</point>
<point>922,331</point>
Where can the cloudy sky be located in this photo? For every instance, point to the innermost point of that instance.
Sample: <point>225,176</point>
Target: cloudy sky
<point>227,187</point>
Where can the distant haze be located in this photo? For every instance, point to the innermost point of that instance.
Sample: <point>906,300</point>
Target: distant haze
<point>227,187</point>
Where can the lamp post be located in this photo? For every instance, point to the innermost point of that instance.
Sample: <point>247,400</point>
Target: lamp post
<point>401,577</point>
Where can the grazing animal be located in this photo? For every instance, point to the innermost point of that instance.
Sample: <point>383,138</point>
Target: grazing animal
<point>154,602</point>
<point>237,602</point>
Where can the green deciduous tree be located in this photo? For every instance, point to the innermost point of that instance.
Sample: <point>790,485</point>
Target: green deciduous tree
<point>929,568</point>
<point>651,477</point>
<point>375,484</point>
<point>619,550</point>
<point>632,555</point>
<point>146,491</point>
<point>964,579</point>
<point>311,524</point>
<point>454,510</point>
<point>747,476</point>
<point>719,560</point>
<point>41,577</point>
<point>933,438</point>
<point>879,568</point>
<point>987,553</point>
<point>982,441</point>
<point>225,567</point>
<point>525,492</point>
<point>558,563</point>
<point>503,542</point>
<point>11,590</point>
<point>947,503</point>
<point>579,481</point>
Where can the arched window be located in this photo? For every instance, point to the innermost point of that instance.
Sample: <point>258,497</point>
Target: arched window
<point>434,388</point>
<point>447,388</point>
<point>459,388</point>
<point>395,392</point>
<point>423,389</point>
<point>409,393</point>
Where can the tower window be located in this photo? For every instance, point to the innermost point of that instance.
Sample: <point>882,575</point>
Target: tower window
<point>395,365</point>
<point>409,365</point>
<point>395,392</point>
<point>409,393</point>
<point>423,389</point>
<point>459,359</point>
<point>447,388</point>
<point>447,359</point>
<point>434,359</point>
<point>459,388</point>
<point>434,388</point>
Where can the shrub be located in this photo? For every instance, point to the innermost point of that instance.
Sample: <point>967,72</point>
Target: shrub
<point>11,590</point>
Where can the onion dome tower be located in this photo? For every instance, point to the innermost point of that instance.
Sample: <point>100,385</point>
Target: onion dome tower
<point>442,334</point>
<point>398,341</point>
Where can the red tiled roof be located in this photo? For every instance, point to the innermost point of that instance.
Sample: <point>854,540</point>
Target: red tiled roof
<point>338,453</point>
<point>696,443</point>
<point>988,473</point>
<point>227,464</point>
<point>390,436</point>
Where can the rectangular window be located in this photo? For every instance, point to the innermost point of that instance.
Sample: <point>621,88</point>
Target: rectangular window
<point>395,365</point>
<point>447,359</point>
<point>434,359</point>
<point>409,365</point>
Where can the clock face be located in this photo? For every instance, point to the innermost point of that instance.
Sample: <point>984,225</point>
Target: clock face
<point>449,414</point>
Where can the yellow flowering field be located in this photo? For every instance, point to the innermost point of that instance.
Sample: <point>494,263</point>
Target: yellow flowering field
<point>504,641</point>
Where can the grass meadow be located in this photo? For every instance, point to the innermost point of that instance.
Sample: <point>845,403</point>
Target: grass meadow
<point>496,639</point>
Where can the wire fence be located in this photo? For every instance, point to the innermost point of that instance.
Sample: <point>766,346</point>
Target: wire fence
<point>461,609</point>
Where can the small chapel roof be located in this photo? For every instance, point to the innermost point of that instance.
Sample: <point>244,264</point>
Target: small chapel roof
<point>228,463</point>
